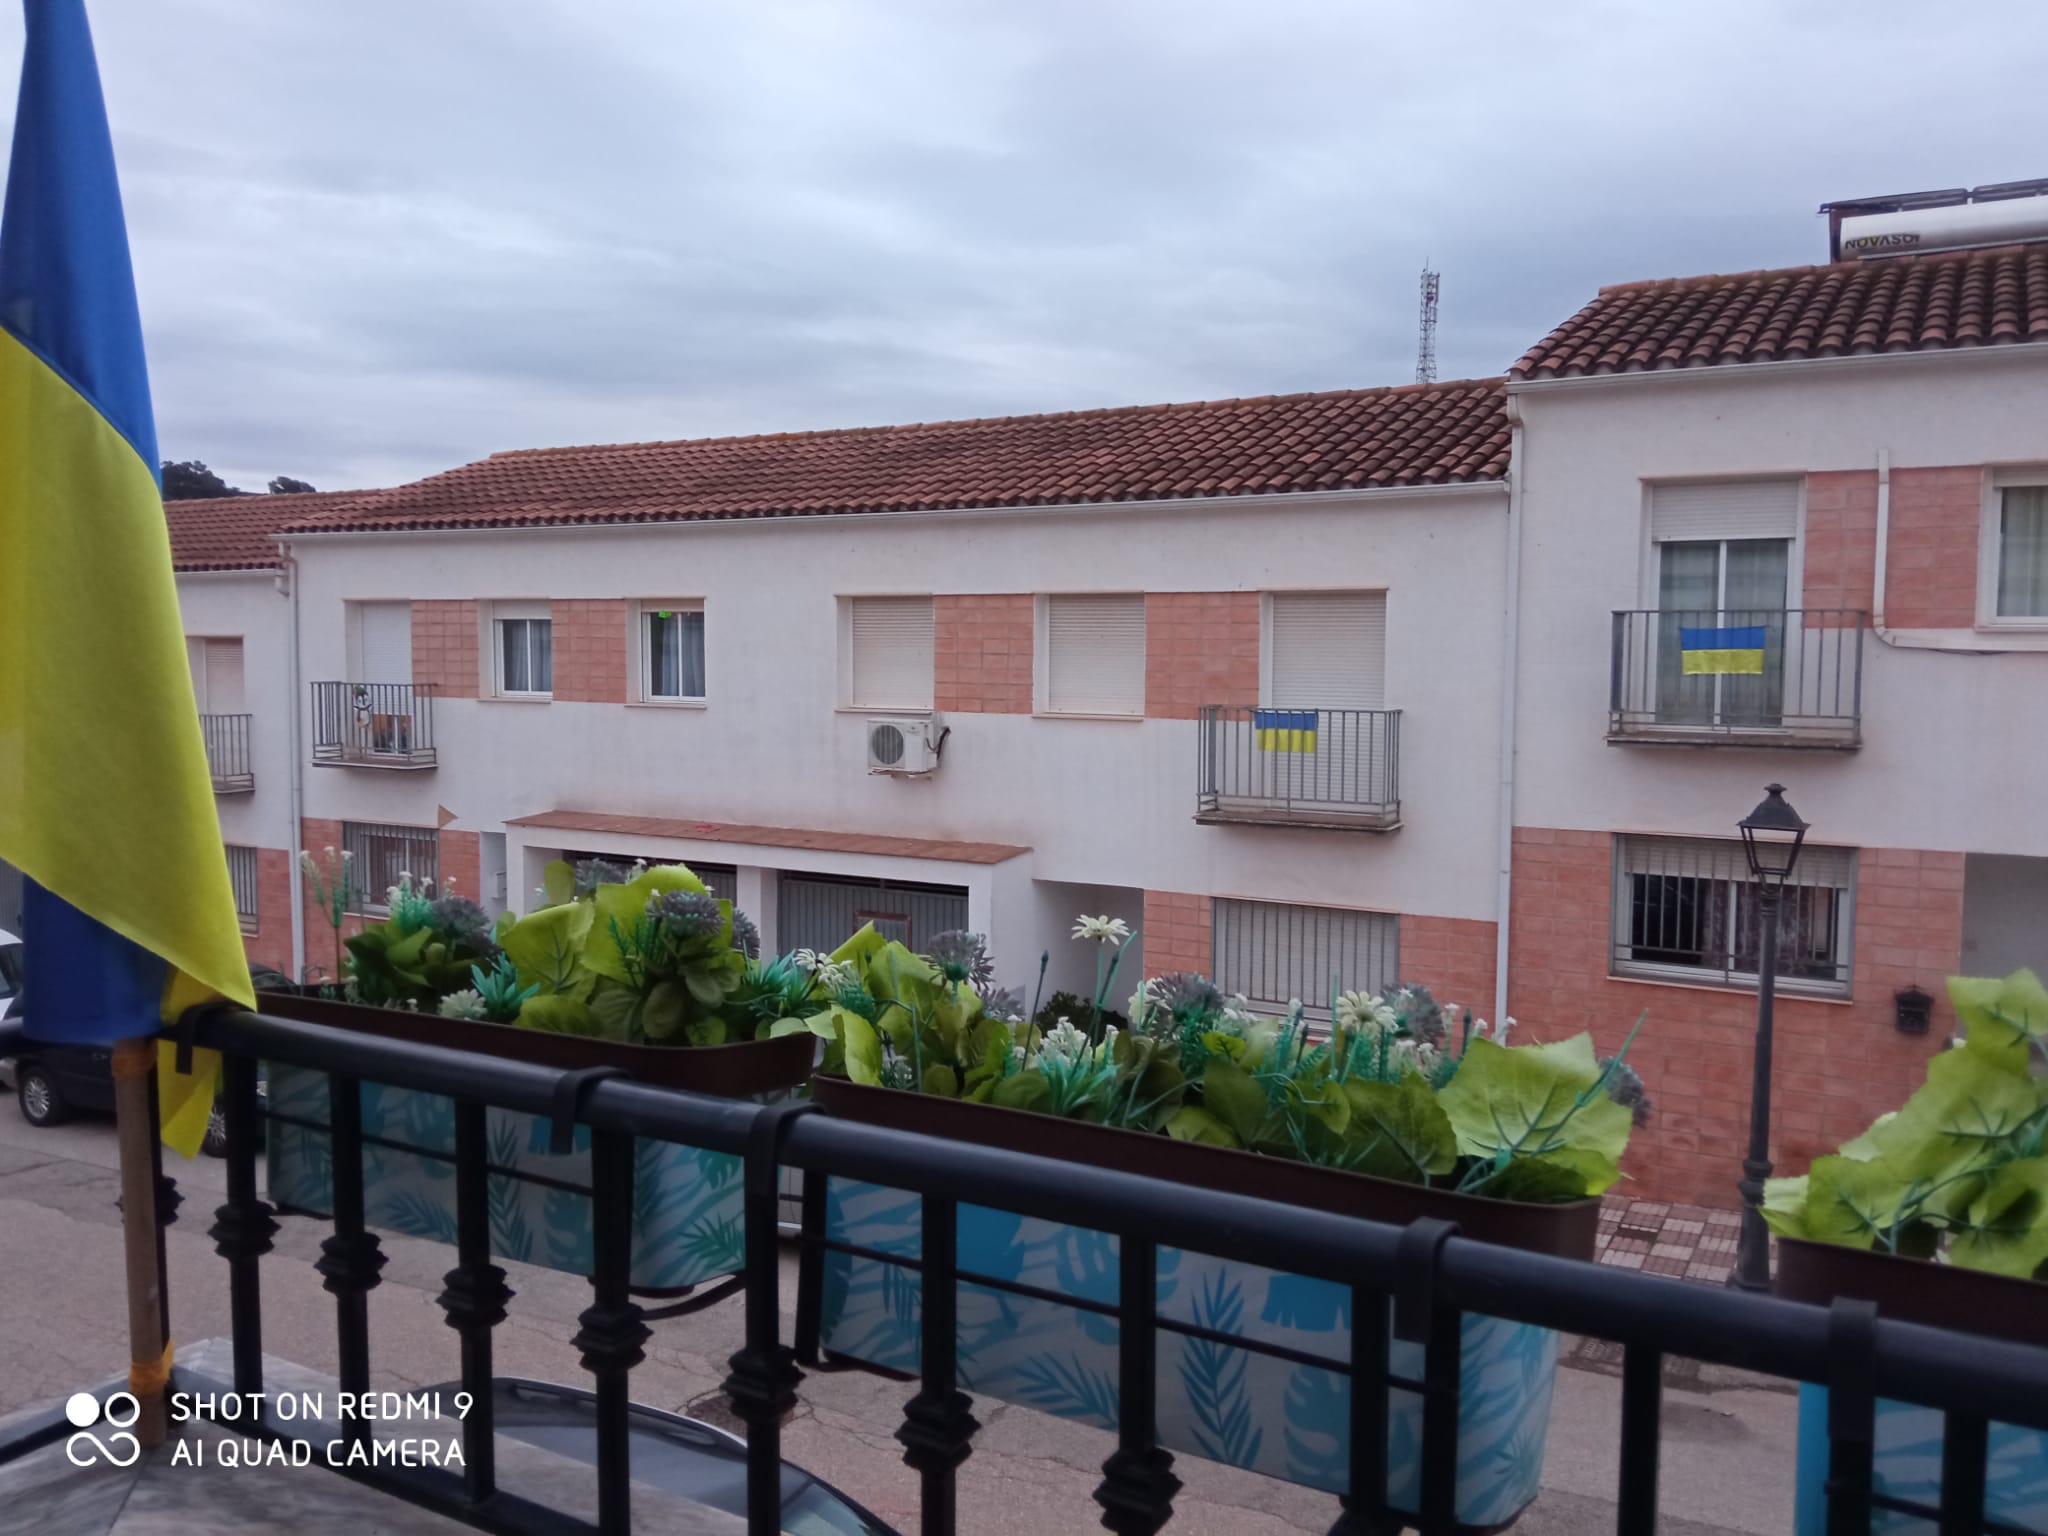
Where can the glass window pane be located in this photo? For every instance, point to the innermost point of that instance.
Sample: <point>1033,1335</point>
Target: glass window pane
<point>662,630</point>
<point>543,636</point>
<point>691,651</point>
<point>513,675</point>
<point>2023,552</point>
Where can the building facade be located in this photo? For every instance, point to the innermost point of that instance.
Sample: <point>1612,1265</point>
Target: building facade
<point>1462,684</point>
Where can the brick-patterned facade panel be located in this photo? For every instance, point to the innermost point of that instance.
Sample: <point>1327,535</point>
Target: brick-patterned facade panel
<point>461,860</point>
<point>1931,567</point>
<point>1200,648</point>
<point>271,943</point>
<point>1453,957</point>
<point>446,647</point>
<point>590,649</point>
<point>982,652</point>
<point>1840,556</point>
<point>1837,1065</point>
<point>1177,933</point>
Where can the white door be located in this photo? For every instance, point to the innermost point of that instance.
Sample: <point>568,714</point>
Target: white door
<point>1328,657</point>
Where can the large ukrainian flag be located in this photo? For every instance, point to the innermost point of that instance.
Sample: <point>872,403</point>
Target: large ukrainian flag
<point>106,805</point>
<point>1722,651</point>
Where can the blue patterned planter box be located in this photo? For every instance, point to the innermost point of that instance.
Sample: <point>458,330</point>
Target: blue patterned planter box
<point>1217,1401</point>
<point>686,1202</point>
<point>1907,1465</point>
<point>1226,1404</point>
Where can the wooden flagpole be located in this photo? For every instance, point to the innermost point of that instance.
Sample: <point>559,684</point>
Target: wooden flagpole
<point>149,1349</point>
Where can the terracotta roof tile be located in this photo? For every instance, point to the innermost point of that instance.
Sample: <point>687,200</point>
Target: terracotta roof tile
<point>1901,304</point>
<point>684,829</point>
<point>239,533</point>
<point>1414,435</point>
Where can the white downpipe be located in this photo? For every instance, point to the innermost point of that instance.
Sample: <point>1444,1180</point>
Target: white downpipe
<point>289,580</point>
<point>1511,641</point>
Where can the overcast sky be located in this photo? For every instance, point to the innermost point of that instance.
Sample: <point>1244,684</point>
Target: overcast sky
<point>377,238</point>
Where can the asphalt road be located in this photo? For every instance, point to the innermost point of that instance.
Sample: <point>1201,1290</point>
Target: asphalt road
<point>1728,1442</point>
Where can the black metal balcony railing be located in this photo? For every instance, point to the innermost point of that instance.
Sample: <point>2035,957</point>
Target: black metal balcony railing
<point>374,725</point>
<point>227,753</point>
<point>1300,767</point>
<point>1802,685</point>
<point>1417,1280</point>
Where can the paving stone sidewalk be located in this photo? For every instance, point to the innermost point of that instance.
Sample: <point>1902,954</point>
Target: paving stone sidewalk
<point>1692,1242</point>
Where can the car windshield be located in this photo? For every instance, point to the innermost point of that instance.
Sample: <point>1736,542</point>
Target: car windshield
<point>10,969</point>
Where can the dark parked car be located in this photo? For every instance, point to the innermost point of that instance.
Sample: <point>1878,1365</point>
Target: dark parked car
<point>683,1456</point>
<point>53,1081</point>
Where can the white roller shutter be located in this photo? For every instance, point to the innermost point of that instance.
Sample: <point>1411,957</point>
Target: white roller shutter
<point>891,661</point>
<point>384,642</point>
<point>223,694</point>
<point>1728,509</point>
<point>1329,650</point>
<point>1095,654</point>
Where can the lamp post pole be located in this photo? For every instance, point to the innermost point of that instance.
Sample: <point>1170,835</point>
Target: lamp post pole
<point>1771,838</point>
<point>1753,1249</point>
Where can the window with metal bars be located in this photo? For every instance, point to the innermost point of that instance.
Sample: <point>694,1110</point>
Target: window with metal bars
<point>1275,953</point>
<point>242,876</point>
<point>380,854</point>
<point>1688,909</point>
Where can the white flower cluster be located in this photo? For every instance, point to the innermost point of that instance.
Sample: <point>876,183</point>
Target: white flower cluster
<point>1361,1013</point>
<point>1063,1043</point>
<point>829,973</point>
<point>307,864</point>
<point>1102,930</point>
<point>465,1004</point>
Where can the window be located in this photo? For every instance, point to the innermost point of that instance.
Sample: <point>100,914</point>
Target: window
<point>1326,650</point>
<point>380,642</point>
<point>242,876</point>
<point>1094,654</point>
<point>671,652</point>
<point>2022,552</point>
<point>1686,909</point>
<point>1723,561</point>
<point>1274,953</point>
<point>889,652</point>
<point>216,674</point>
<point>525,649</point>
<point>380,854</point>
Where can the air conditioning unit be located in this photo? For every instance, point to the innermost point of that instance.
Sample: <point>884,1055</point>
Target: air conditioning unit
<point>906,747</point>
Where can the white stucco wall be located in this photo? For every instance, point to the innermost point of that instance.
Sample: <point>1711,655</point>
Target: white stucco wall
<point>227,604</point>
<point>1953,743</point>
<point>1099,803</point>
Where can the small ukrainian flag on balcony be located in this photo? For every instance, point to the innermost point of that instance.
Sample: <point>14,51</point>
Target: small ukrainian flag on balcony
<point>1713,651</point>
<point>1285,730</point>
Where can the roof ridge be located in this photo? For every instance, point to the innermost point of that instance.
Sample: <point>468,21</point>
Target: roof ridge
<point>1084,412</point>
<point>1907,258</point>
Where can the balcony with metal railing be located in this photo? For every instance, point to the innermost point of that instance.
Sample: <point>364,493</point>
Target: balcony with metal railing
<point>1751,677</point>
<point>1338,768</point>
<point>373,725</point>
<point>227,753</point>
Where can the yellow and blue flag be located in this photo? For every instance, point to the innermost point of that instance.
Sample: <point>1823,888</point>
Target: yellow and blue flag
<point>1712,651</point>
<point>106,805</point>
<point>1285,730</point>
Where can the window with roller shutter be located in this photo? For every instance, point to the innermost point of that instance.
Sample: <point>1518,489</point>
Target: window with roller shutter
<point>1094,654</point>
<point>1327,650</point>
<point>889,653</point>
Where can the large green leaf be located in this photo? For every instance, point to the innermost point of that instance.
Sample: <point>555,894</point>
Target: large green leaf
<point>1854,1203</point>
<point>1529,1100</point>
<point>1970,1113</point>
<point>861,948</point>
<point>2006,1230</point>
<point>547,947</point>
<point>1784,1207</point>
<point>895,975</point>
<point>1547,1180</point>
<point>2002,1018</point>
<point>863,1049</point>
<point>1230,1094</point>
<point>1022,1090</point>
<point>1191,1122</point>
<point>1407,1131</point>
<point>558,882</point>
<point>664,1012</point>
<point>559,1014</point>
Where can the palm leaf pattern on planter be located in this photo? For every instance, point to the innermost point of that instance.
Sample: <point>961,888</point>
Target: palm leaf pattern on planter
<point>1316,1425</point>
<point>416,1214</point>
<point>1213,1377</point>
<point>510,1236</point>
<point>565,1215</point>
<point>1066,1387</point>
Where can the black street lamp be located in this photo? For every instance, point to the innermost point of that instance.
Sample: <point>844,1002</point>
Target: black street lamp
<point>1772,835</point>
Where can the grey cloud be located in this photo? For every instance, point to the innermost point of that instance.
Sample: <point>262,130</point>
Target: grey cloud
<point>378,239</point>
